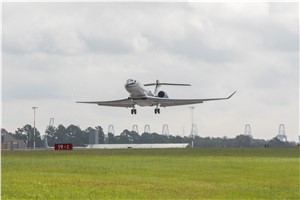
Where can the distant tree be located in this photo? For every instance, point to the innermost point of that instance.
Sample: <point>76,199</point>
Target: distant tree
<point>258,143</point>
<point>20,135</point>
<point>125,137</point>
<point>82,138</point>
<point>145,138</point>
<point>243,140</point>
<point>165,139</point>
<point>60,135</point>
<point>90,132</point>
<point>74,135</point>
<point>171,139</point>
<point>156,138</point>
<point>201,142</point>
<point>275,142</point>
<point>128,137</point>
<point>111,138</point>
<point>101,134</point>
<point>134,137</point>
<point>187,139</point>
<point>27,134</point>
<point>50,134</point>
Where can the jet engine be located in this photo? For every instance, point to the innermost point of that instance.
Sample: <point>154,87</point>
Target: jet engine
<point>162,94</point>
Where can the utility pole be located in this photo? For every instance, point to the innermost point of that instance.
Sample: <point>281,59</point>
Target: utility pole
<point>34,126</point>
<point>194,130</point>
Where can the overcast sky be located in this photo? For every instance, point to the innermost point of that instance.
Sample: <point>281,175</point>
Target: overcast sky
<point>54,50</point>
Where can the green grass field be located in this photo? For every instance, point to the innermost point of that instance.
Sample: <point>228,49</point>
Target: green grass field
<point>199,173</point>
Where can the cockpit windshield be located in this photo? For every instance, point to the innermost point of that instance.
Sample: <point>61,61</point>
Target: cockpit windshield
<point>130,82</point>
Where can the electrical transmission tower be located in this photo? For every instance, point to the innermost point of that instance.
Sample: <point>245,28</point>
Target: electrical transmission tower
<point>165,130</point>
<point>281,133</point>
<point>248,131</point>
<point>51,124</point>
<point>135,128</point>
<point>147,129</point>
<point>111,129</point>
<point>194,129</point>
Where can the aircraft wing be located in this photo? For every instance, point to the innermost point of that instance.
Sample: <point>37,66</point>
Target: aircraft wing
<point>115,103</point>
<point>151,101</point>
<point>178,102</point>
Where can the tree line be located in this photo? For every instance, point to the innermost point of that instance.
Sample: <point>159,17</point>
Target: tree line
<point>78,137</point>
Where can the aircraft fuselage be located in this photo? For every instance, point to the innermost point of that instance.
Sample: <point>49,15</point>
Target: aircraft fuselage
<point>137,90</point>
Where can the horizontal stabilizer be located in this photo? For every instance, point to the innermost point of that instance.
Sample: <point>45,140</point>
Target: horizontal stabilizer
<point>158,84</point>
<point>176,84</point>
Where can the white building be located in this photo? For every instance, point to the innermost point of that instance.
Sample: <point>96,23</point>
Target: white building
<point>138,146</point>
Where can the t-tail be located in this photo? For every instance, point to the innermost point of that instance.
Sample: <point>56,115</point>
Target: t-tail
<point>158,84</point>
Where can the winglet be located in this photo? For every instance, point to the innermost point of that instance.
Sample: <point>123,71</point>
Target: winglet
<point>231,95</point>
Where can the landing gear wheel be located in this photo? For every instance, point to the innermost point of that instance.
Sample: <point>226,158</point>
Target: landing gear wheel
<point>157,111</point>
<point>133,111</point>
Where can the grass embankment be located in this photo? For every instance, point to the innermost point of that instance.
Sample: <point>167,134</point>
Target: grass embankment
<point>200,173</point>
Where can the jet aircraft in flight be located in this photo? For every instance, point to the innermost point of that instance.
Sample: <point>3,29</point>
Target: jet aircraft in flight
<point>142,96</point>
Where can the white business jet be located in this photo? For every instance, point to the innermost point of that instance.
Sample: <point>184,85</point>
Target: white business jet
<point>142,96</point>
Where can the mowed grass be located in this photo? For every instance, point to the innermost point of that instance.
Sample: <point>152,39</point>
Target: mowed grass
<point>199,173</point>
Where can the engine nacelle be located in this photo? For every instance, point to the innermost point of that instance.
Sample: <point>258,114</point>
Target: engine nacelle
<point>162,94</point>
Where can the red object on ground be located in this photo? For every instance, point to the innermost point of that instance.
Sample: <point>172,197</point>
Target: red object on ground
<point>67,146</point>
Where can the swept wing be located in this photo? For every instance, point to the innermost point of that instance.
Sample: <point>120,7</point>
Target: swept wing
<point>115,103</point>
<point>164,102</point>
<point>151,101</point>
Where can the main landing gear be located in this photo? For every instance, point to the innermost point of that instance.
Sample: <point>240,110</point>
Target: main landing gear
<point>133,111</point>
<point>157,111</point>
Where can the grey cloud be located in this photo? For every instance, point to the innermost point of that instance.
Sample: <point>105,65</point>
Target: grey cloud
<point>49,42</point>
<point>195,49</point>
<point>32,91</point>
<point>273,78</point>
<point>271,34</point>
<point>106,45</point>
<point>280,39</point>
